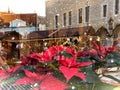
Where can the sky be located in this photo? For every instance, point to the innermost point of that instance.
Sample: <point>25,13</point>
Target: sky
<point>23,6</point>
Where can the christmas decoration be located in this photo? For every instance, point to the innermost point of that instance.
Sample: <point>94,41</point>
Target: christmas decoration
<point>63,68</point>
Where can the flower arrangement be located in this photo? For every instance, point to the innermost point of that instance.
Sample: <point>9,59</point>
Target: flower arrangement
<point>106,54</point>
<point>37,66</point>
<point>54,69</point>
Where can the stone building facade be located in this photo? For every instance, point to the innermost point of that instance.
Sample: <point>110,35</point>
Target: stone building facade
<point>83,13</point>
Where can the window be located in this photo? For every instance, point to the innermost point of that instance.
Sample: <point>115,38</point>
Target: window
<point>80,15</point>
<point>56,21</point>
<point>64,19</point>
<point>87,14</point>
<point>116,6</point>
<point>104,10</point>
<point>70,17</point>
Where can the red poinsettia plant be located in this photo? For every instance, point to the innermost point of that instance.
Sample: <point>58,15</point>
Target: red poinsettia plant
<point>37,69</point>
<point>57,58</point>
<point>103,50</point>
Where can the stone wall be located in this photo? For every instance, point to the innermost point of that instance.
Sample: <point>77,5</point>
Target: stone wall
<point>54,7</point>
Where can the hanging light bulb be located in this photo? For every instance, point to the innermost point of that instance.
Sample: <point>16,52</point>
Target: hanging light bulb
<point>98,39</point>
<point>90,38</point>
<point>21,45</point>
<point>13,38</point>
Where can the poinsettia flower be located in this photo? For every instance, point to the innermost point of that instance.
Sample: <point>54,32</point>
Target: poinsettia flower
<point>60,57</point>
<point>48,55</point>
<point>66,64</point>
<point>33,75</point>
<point>36,56</point>
<point>24,80</point>
<point>111,49</point>
<point>36,88</point>
<point>103,50</point>
<point>41,68</point>
<point>51,51</point>
<point>13,69</point>
<point>3,74</point>
<point>93,52</point>
<point>96,45</point>
<point>71,51</point>
<point>45,57</point>
<point>52,83</point>
<point>71,66</point>
<point>82,54</point>
<point>30,74</point>
<point>70,72</point>
<point>31,59</point>
<point>25,60</point>
<point>41,57</point>
<point>69,62</point>
<point>82,64</point>
<point>60,48</point>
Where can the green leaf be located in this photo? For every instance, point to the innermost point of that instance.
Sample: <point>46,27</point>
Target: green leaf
<point>90,75</point>
<point>67,54</point>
